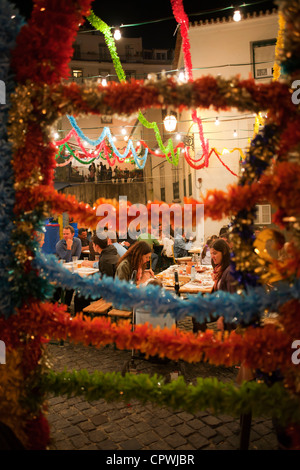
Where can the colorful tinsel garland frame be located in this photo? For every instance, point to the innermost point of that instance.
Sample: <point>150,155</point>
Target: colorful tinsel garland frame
<point>39,100</point>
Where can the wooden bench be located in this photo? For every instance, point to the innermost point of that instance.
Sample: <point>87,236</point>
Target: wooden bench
<point>117,314</point>
<point>101,307</point>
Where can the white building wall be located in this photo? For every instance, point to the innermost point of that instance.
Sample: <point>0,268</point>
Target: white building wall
<point>221,48</point>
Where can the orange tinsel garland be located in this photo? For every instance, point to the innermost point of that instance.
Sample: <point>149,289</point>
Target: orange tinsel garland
<point>51,200</point>
<point>281,187</point>
<point>266,348</point>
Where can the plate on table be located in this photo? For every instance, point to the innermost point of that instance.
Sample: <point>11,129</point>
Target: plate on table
<point>87,271</point>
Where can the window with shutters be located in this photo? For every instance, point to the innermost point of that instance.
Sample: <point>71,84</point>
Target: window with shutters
<point>162,183</point>
<point>77,52</point>
<point>263,54</point>
<point>190,185</point>
<point>263,214</point>
<point>176,190</point>
<point>104,52</point>
<point>77,73</point>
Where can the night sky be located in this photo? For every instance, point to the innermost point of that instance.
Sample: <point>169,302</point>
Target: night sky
<point>160,32</point>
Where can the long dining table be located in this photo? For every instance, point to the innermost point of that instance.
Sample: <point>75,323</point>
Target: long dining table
<point>203,282</point>
<point>79,269</point>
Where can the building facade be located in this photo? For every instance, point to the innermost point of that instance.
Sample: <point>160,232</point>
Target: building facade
<point>219,48</point>
<point>92,62</point>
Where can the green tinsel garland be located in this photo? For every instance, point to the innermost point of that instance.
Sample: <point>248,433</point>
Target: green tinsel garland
<point>101,26</point>
<point>208,393</point>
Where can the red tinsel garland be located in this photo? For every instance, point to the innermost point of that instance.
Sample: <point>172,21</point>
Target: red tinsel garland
<point>44,45</point>
<point>281,187</point>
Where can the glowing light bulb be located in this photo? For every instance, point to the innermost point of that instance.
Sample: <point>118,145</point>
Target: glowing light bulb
<point>170,123</point>
<point>217,122</point>
<point>237,15</point>
<point>235,133</point>
<point>178,136</point>
<point>117,34</point>
<point>114,138</point>
<point>126,137</point>
<point>104,82</point>
<point>123,130</point>
<point>138,144</point>
<point>181,77</point>
<point>56,135</point>
<point>157,151</point>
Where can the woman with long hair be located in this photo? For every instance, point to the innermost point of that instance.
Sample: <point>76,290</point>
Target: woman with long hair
<point>205,255</point>
<point>136,259</point>
<point>220,260</point>
<point>222,277</point>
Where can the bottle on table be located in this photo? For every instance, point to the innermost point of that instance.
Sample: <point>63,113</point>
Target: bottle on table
<point>193,273</point>
<point>176,284</point>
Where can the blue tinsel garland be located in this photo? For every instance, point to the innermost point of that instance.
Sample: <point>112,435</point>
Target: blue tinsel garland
<point>10,25</point>
<point>106,133</point>
<point>239,309</point>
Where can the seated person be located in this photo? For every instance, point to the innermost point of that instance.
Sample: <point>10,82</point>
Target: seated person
<point>181,245</point>
<point>107,263</point>
<point>66,248</point>
<point>205,255</point>
<point>86,245</point>
<point>135,262</point>
<point>151,240</point>
<point>69,245</point>
<point>112,240</point>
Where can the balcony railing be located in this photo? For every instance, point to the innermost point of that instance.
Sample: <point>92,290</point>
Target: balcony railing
<point>137,58</point>
<point>72,175</point>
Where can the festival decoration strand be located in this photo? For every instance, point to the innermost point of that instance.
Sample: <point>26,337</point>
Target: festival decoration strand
<point>288,52</point>
<point>77,133</point>
<point>107,134</point>
<point>183,21</point>
<point>104,28</point>
<point>205,163</point>
<point>10,29</point>
<point>240,346</point>
<point>48,71</point>
<point>240,309</point>
<point>180,145</point>
<point>281,188</point>
<point>101,26</point>
<point>208,393</point>
<point>259,120</point>
<point>31,429</point>
<point>45,105</point>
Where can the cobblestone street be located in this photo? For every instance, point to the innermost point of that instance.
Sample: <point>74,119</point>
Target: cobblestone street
<point>79,425</point>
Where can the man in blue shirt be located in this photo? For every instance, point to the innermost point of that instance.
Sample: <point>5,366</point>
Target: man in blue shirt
<point>181,245</point>
<point>112,240</point>
<point>66,248</point>
<point>69,245</point>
